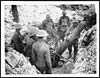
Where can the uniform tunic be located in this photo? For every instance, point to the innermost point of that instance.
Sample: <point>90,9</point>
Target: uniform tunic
<point>64,23</point>
<point>41,56</point>
<point>17,40</point>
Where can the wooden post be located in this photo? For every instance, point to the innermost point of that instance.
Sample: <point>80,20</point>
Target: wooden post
<point>15,13</point>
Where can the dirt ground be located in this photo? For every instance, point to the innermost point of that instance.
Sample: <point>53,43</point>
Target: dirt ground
<point>66,68</point>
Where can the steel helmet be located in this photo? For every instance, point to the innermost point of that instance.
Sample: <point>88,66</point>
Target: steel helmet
<point>42,33</point>
<point>33,30</point>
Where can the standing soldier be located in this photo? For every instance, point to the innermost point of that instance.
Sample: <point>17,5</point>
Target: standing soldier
<point>48,25</point>
<point>64,23</point>
<point>17,39</point>
<point>41,53</point>
<point>75,43</point>
<point>29,40</point>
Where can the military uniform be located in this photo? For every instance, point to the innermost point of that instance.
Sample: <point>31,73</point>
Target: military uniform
<point>48,25</point>
<point>75,43</point>
<point>29,41</point>
<point>17,42</point>
<point>41,56</point>
<point>64,24</point>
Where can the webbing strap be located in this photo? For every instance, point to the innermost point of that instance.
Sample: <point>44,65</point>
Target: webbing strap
<point>59,55</point>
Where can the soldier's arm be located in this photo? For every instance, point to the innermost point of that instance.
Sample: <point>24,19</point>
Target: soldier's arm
<point>60,20</point>
<point>16,43</point>
<point>42,25</point>
<point>53,24</point>
<point>68,20</point>
<point>33,55</point>
<point>48,59</point>
<point>21,38</point>
<point>68,31</point>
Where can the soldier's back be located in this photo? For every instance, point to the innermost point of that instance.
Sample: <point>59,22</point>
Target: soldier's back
<point>40,47</point>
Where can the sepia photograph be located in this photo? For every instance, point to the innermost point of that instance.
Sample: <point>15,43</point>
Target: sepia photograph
<point>50,38</point>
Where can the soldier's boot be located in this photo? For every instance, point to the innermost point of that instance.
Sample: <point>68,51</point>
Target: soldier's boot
<point>74,58</point>
<point>70,51</point>
<point>75,51</point>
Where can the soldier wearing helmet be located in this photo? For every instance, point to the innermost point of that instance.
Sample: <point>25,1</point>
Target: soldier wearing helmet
<point>48,25</point>
<point>29,40</point>
<point>17,39</point>
<point>41,53</point>
<point>64,23</point>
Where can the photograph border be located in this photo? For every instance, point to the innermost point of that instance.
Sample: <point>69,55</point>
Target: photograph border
<point>3,3</point>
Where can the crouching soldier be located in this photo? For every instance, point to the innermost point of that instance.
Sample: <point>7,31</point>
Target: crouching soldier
<point>41,53</point>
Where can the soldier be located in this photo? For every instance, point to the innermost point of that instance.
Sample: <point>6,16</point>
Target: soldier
<point>17,39</point>
<point>48,25</point>
<point>64,23</point>
<point>29,40</point>
<point>75,43</point>
<point>41,53</point>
